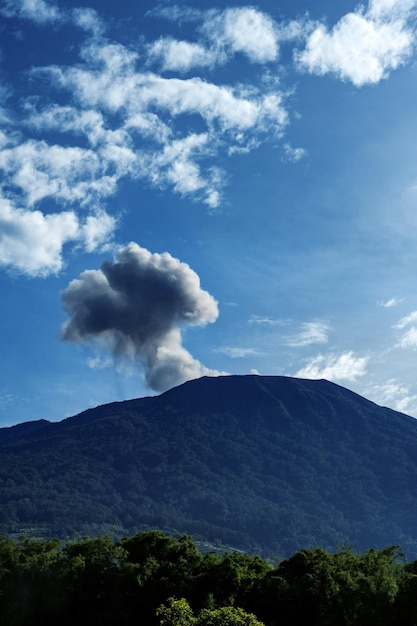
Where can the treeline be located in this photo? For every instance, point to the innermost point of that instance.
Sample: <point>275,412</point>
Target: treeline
<point>156,580</point>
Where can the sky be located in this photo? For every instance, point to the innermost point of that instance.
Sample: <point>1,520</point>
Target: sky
<point>205,188</point>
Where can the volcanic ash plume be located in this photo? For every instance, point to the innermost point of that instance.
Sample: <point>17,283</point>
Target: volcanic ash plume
<point>136,307</point>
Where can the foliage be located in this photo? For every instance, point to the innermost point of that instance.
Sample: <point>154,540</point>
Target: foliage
<point>179,613</point>
<point>165,581</point>
<point>264,464</point>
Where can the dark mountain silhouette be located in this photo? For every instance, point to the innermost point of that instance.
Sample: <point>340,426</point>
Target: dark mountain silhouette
<point>261,463</point>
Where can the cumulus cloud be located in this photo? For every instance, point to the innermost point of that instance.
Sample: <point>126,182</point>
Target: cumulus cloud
<point>67,174</point>
<point>336,367</point>
<point>80,129</point>
<point>237,30</point>
<point>180,56</point>
<point>311,332</point>
<point>32,243</point>
<point>114,85</point>
<point>365,45</point>
<point>245,30</point>
<point>133,120</point>
<point>136,307</point>
<point>391,9</point>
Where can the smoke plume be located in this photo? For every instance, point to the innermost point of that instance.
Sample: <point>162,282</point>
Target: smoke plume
<point>136,306</point>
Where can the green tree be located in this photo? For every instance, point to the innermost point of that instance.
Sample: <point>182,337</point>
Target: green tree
<point>176,613</point>
<point>227,616</point>
<point>179,613</point>
<point>344,588</point>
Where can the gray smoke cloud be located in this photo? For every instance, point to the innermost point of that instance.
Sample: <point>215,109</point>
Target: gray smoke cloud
<point>136,306</point>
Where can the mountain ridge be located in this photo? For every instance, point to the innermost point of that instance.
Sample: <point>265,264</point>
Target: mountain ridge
<point>265,463</point>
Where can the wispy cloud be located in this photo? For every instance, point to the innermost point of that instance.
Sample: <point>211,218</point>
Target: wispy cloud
<point>260,320</point>
<point>43,13</point>
<point>409,337</point>
<point>335,367</point>
<point>6,399</point>
<point>311,333</point>
<point>407,320</point>
<point>294,154</point>
<point>365,45</point>
<point>237,352</point>
<point>388,304</point>
<point>36,10</point>
<point>394,394</point>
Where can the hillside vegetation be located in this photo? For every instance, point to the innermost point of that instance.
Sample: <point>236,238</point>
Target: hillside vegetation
<point>268,465</point>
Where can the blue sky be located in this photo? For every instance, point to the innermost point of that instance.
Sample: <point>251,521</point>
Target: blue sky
<point>198,188</point>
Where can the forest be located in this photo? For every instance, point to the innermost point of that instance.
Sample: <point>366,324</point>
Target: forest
<point>265,464</point>
<point>155,579</point>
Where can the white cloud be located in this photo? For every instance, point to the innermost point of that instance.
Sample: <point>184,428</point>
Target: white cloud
<point>149,140</point>
<point>407,320</point>
<point>95,230</point>
<point>116,86</point>
<point>180,56</point>
<point>89,20</point>
<point>66,174</point>
<point>124,121</point>
<point>387,304</point>
<point>311,332</point>
<point>395,395</point>
<point>238,353</point>
<point>176,165</point>
<point>345,367</point>
<point>364,46</point>
<point>391,9</point>
<point>260,320</point>
<point>176,13</point>
<point>32,243</point>
<point>35,10</point>
<point>245,30</point>
<point>6,399</point>
<point>294,154</point>
<point>409,339</point>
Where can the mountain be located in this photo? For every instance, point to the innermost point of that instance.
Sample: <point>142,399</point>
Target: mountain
<point>262,463</point>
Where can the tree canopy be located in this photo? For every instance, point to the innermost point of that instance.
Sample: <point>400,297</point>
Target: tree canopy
<point>166,581</point>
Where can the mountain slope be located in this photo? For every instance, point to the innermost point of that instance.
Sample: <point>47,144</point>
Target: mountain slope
<point>262,463</point>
